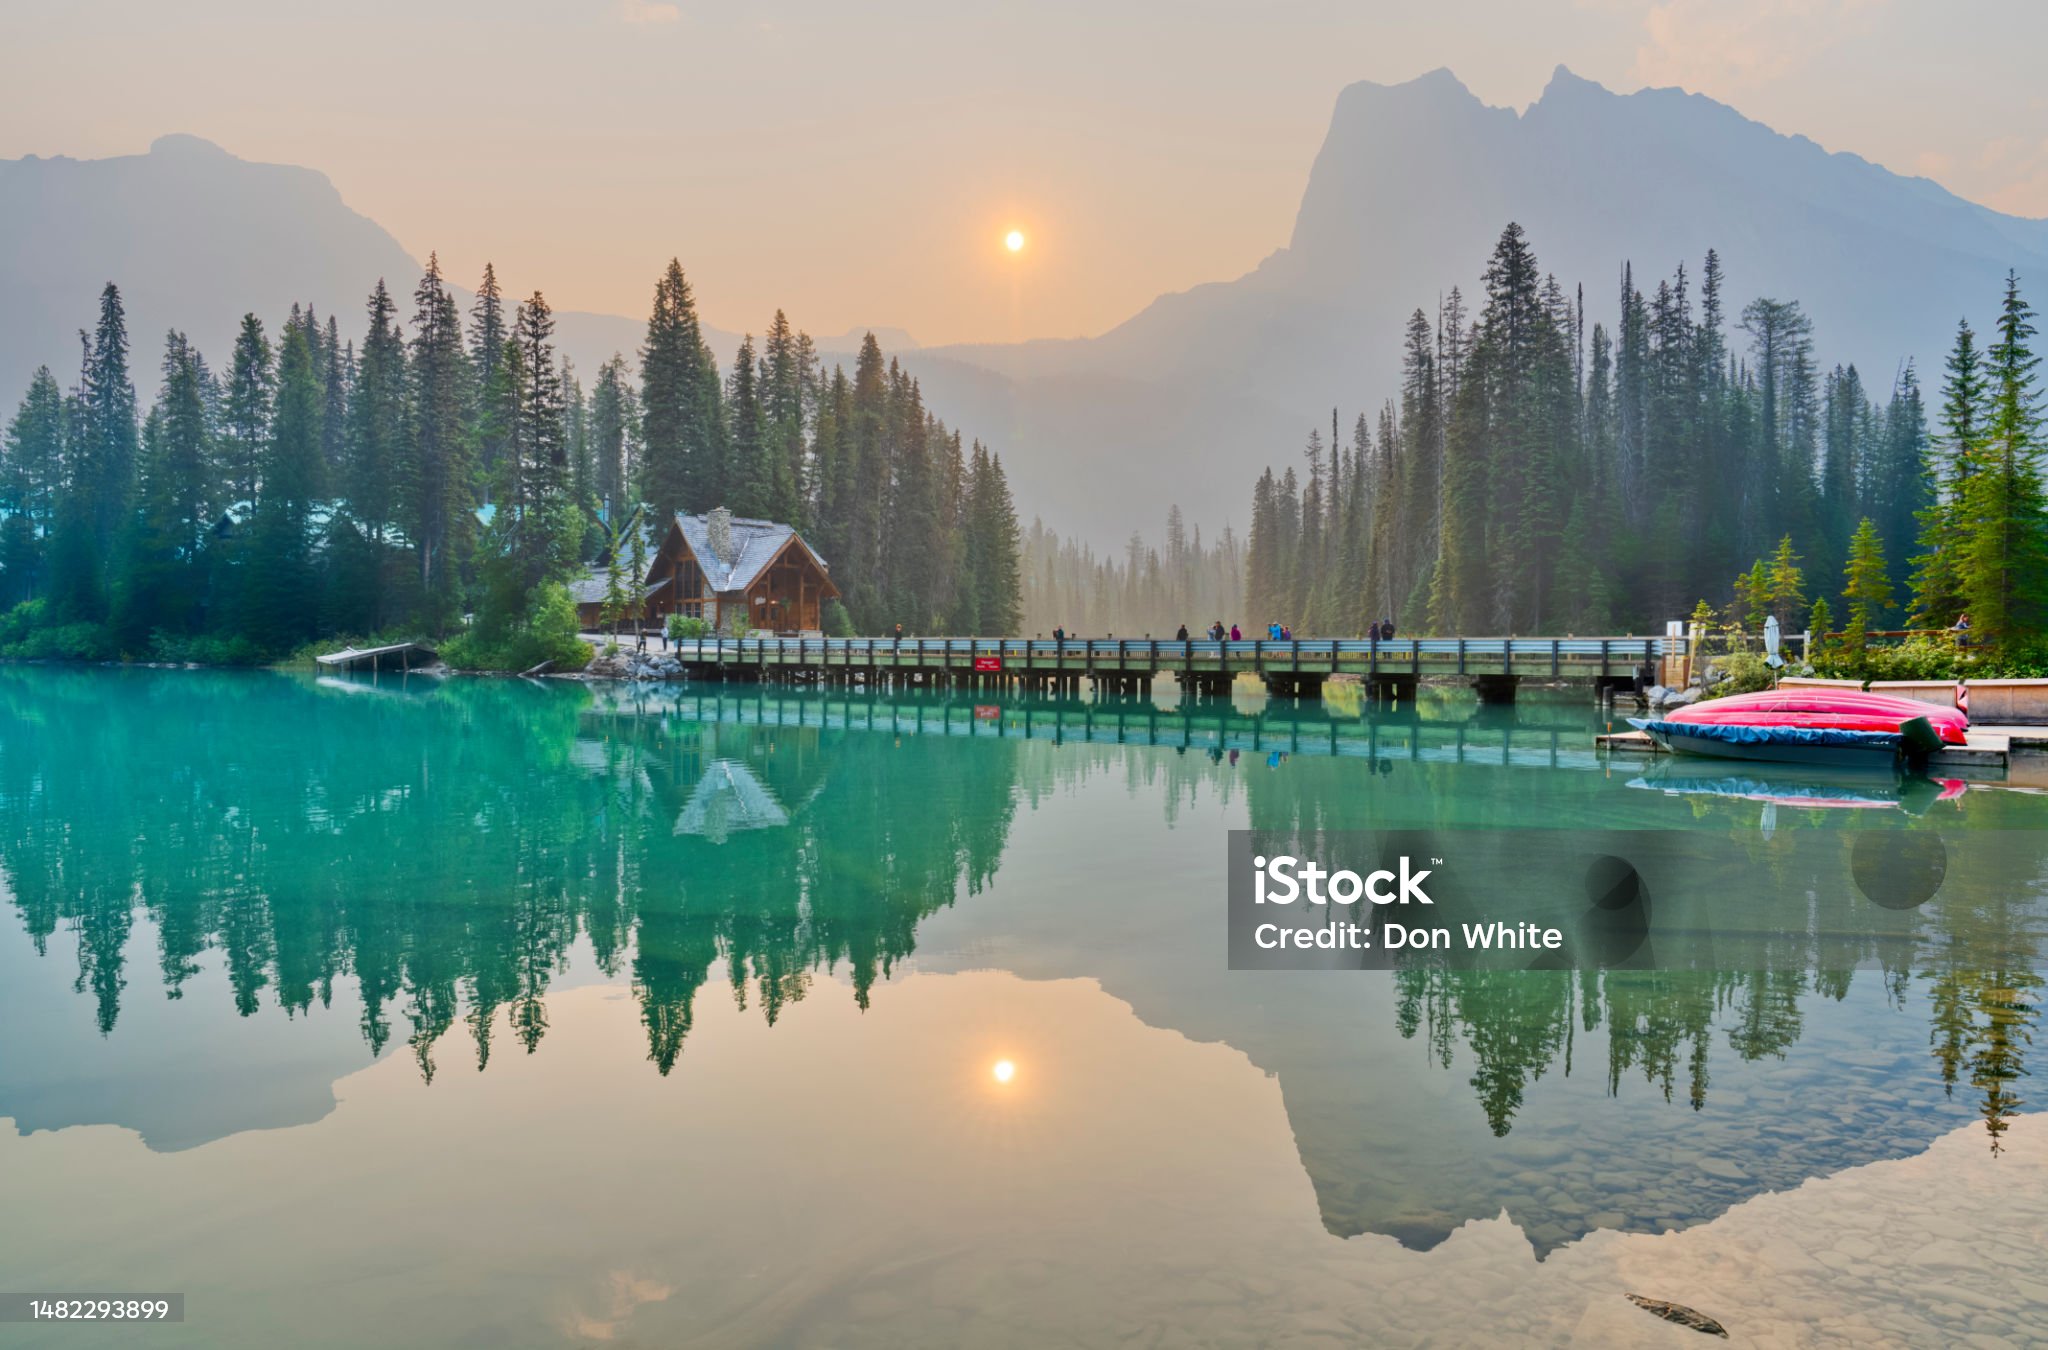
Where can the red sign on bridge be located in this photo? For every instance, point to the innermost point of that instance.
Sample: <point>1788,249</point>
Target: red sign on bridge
<point>988,663</point>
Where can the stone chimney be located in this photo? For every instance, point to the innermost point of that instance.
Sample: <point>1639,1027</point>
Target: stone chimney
<point>718,532</point>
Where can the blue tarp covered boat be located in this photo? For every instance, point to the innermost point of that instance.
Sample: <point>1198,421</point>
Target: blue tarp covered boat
<point>1794,745</point>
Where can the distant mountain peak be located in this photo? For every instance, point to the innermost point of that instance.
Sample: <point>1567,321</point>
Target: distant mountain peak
<point>1565,83</point>
<point>184,143</point>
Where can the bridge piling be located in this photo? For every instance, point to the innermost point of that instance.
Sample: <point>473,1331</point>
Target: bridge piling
<point>1496,688</point>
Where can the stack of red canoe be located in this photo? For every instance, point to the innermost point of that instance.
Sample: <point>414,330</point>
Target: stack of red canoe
<point>1836,709</point>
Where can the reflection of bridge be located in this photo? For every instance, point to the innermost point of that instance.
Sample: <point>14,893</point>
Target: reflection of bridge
<point>1484,735</point>
<point>1294,668</point>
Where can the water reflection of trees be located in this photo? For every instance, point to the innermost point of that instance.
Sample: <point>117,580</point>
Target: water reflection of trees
<point>271,821</point>
<point>1977,974</point>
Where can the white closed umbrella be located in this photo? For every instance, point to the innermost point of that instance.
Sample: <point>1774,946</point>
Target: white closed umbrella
<point>1772,638</point>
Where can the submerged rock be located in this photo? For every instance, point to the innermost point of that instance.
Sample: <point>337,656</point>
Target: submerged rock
<point>1679,1313</point>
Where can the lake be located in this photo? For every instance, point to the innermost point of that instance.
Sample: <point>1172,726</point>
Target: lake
<point>509,1013</point>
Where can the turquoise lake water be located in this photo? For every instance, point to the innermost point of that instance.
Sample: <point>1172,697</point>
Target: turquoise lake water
<point>508,1013</point>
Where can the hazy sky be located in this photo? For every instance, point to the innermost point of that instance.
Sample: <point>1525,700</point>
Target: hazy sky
<point>860,163</point>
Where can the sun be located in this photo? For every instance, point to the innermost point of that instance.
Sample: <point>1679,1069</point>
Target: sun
<point>1004,1071</point>
<point>1014,241</point>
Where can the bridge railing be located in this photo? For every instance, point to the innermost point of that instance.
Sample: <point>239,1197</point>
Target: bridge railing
<point>1160,652</point>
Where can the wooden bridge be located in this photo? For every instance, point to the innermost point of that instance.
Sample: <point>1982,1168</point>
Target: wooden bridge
<point>1295,668</point>
<point>1498,736</point>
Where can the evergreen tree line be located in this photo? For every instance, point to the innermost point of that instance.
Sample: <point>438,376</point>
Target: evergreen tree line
<point>1537,475</point>
<point>1149,590</point>
<point>438,469</point>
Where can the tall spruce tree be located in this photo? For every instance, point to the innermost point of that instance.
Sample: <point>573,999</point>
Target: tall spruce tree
<point>31,481</point>
<point>1866,584</point>
<point>750,486</point>
<point>377,431</point>
<point>280,602</point>
<point>611,409</point>
<point>682,432</point>
<point>2004,554</point>
<point>245,429</point>
<point>435,492</point>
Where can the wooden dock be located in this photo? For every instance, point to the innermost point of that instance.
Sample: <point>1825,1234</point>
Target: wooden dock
<point>396,656</point>
<point>1296,668</point>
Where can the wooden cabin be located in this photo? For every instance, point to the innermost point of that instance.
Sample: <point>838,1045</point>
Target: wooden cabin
<point>589,591</point>
<point>719,567</point>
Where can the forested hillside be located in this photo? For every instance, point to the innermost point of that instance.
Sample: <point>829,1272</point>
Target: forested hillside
<point>422,471</point>
<point>1540,475</point>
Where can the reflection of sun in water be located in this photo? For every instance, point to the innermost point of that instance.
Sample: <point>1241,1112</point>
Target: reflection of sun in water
<point>1004,1071</point>
<point>1014,241</point>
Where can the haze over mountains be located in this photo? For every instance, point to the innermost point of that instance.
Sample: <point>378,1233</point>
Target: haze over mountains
<point>1186,400</point>
<point>196,237</point>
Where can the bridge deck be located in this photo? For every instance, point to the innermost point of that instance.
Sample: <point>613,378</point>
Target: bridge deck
<point>1539,658</point>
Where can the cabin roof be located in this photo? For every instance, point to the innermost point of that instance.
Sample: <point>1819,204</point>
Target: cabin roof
<point>756,543</point>
<point>589,589</point>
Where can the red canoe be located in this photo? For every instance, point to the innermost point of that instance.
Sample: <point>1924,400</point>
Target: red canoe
<point>1839,709</point>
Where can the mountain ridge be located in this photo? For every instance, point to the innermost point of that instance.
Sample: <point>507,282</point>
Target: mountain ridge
<point>1187,398</point>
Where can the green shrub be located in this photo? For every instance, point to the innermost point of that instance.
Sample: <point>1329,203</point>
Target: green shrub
<point>836,621</point>
<point>1738,673</point>
<point>65,642</point>
<point>1917,658</point>
<point>206,650</point>
<point>547,632</point>
<point>683,628</point>
<point>17,623</point>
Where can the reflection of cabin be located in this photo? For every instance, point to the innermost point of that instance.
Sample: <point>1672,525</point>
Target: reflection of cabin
<point>721,568</point>
<point>728,799</point>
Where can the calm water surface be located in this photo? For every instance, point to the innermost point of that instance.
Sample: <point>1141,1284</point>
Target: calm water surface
<point>500,1013</point>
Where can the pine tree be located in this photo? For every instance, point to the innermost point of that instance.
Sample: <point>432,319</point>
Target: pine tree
<point>576,436</point>
<point>751,488</point>
<point>993,540</point>
<point>1786,595</point>
<point>1945,472</point>
<point>245,430</point>
<point>1866,584</point>
<point>107,441</point>
<point>786,376</point>
<point>488,334</point>
<point>1753,595</point>
<point>434,493</point>
<point>335,377</point>
<point>539,440</point>
<point>161,585</point>
<point>377,429</point>
<point>611,416</point>
<point>279,604</point>
<point>682,433</point>
<point>2004,557</point>
<point>31,480</point>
